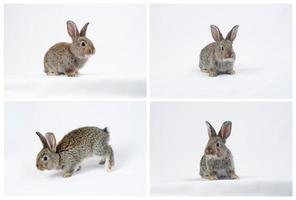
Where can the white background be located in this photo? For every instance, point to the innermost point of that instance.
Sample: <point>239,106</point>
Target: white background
<point>145,2</point>
<point>118,69</point>
<point>260,143</point>
<point>127,126</point>
<point>263,47</point>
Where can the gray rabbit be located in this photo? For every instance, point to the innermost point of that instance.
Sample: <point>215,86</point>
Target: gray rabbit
<point>218,57</point>
<point>73,149</point>
<point>68,58</point>
<point>217,161</point>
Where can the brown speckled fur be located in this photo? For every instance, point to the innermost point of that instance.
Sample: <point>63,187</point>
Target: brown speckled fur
<point>68,58</point>
<point>218,57</point>
<point>217,161</point>
<point>75,146</point>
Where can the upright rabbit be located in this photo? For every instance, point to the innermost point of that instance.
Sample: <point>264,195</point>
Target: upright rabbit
<point>217,161</point>
<point>218,57</point>
<point>73,148</point>
<point>68,58</point>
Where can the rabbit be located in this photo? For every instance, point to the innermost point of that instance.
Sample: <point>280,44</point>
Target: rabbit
<point>217,161</point>
<point>75,146</point>
<point>68,58</point>
<point>219,57</point>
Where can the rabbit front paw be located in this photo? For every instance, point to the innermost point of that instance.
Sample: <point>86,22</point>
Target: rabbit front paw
<point>213,73</point>
<point>52,73</point>
<point>211,177</point>
<point>204,70</point>
<point>67,174</point>
<point>72,74</point>
<point>233,176</point>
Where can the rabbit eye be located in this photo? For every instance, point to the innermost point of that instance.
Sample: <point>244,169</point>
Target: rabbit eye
<point>222,48</point>
<point>217,144</point>
<point>83,44</point>
<point>45,158</point>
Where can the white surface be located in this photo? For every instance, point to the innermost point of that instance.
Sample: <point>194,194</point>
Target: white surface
<point>127,125</point>
<point>85,86</point>
<point>263,47</point>
<point>261,144</point>
<point>118,69</point>
<point>244,187</point>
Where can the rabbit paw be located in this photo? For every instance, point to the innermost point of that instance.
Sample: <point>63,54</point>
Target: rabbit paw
<point>211,177</point>
<point>51,73</point>
<point>234,176</point>
<point>204,70</point>
<point>109,168</point>
<point>231,72</point>
<point>213,73</point>
<point>67,174</point>
<point>72,74</point>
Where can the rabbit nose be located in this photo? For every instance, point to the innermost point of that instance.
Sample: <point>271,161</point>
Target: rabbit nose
<point>94,51</point>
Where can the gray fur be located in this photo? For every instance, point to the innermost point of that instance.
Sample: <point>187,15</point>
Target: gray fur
<point>69,58</point>
<point>217,161</point>
<point>218,57</point>
<point>75,146</point>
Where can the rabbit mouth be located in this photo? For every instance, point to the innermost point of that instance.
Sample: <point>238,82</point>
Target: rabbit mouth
<point>86,56</point>
<point>41,168</point>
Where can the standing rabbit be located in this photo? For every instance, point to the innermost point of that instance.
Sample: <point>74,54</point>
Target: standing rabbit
<point>218,57</point>
<point>217,162</point>
<point>68,58</point>
<point>73,149</point>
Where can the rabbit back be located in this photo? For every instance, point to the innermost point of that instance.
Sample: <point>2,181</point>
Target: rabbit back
<point>58,59</point>
<point>82,142</point>
<point>206,58</point>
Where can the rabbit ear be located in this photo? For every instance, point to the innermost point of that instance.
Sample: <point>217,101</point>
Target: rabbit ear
<point>211,130</point>
<point>225,130</point>
<point>51,141</point>
<point>232,33</point>
<point>43,140</point>
<point>83,30</point>
<point>72,29</point>
<point>217,35</point>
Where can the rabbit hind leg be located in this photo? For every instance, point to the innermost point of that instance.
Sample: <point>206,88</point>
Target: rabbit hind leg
<point>233,175</point>
<point>110,162</point>
<point>107,156</point>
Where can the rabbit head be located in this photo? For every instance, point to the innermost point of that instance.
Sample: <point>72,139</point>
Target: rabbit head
<point>81,46</point>
<point>216,147</point>
<point>47,158</point>
<point>223,50</point>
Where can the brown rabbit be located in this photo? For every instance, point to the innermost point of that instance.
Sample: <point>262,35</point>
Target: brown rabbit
<point>217,161</point>
<point>73,148</point>
<point>68,58</point>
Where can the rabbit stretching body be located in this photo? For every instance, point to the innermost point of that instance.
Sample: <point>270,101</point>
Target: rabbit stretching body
<point>77,145</point>
<point>68,58</point>
<point>217,161</point>
<point>218,57</point>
